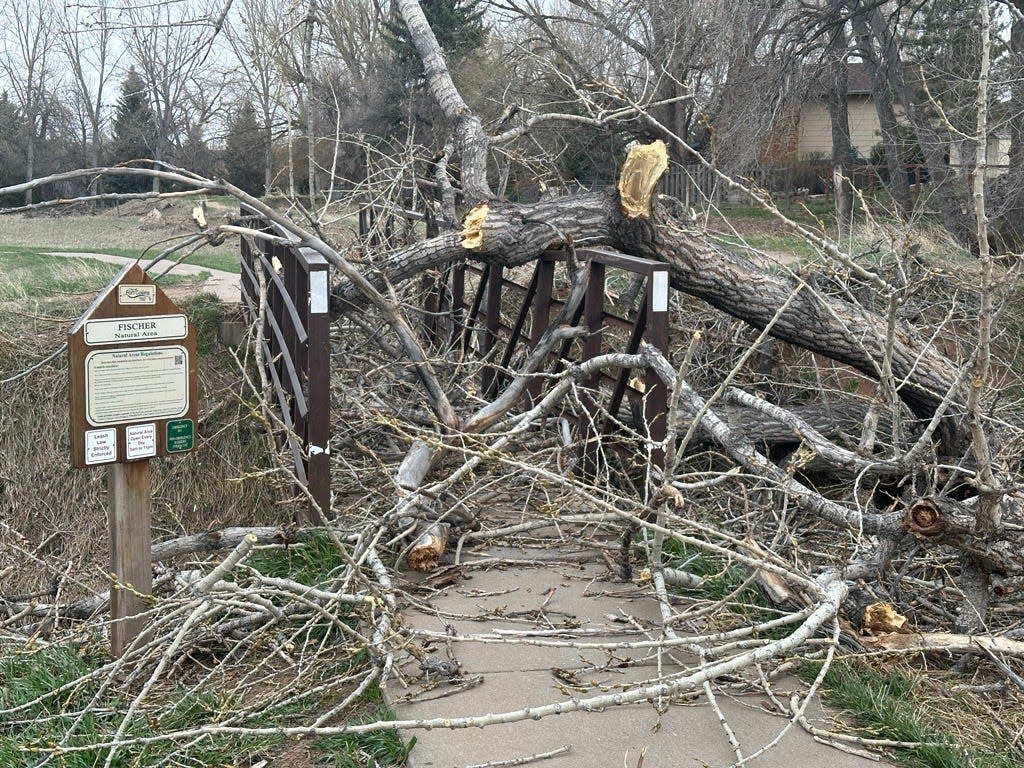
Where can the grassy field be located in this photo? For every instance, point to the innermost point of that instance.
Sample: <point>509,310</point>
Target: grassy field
<point>27,273</point>
<point>124,232</point>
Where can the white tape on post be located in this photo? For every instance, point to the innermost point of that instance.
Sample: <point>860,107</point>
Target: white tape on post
<point>318,292</point>
<point>659,291</point>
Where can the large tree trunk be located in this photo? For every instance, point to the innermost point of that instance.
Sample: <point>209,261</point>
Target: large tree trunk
<point>839,118</point>
<point>954,208</point>
<point>899,188</point>
<point>511,234</point>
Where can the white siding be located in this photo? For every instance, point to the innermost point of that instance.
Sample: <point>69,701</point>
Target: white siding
<point>816,128</point>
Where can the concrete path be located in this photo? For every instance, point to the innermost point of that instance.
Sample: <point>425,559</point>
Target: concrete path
<point>538,589</point>
<point>225,285</point>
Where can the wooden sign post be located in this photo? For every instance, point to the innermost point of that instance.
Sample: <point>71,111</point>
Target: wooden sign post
<point>133,395</point>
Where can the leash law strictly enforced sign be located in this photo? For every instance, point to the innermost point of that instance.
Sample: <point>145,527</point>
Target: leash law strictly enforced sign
<point>132,370</point>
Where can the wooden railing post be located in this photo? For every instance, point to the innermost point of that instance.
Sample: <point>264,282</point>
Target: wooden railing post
<point>296,354</point>
<point>541,313</point>
<point>490,376</point>
<point>593,319</point>
<point>318,371</point>
<point>656,334</point>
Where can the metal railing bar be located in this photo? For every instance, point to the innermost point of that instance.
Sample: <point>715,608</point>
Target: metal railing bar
<point>286,358</point>
<point>268,268</point>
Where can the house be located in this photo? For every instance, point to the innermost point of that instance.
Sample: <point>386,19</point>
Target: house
<point>814,128</point>
<point>997,154</point>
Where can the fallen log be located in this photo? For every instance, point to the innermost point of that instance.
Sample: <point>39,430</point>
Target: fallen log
<point>426,551</point>
<point>511,234</point>
<point>944,521</point>
<point>944,642</point>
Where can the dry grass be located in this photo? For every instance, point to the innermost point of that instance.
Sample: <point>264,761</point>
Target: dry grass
<point>51,510</point>
<point>114,229</point>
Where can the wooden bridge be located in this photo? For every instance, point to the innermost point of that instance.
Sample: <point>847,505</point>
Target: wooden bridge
<point>491,313</point>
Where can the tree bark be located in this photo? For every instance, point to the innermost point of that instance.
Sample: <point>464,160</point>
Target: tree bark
<point>953,208</point>
<point>839,118</point>
<point>945,521</point>
<point>511,234</point>
<point>899,188</point>
<point>473,143</point>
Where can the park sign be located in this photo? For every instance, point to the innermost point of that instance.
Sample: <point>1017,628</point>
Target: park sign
<point>132,375</point>
<point>132,370</point>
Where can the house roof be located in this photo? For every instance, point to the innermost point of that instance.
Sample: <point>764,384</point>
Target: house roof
<point>858,79</point>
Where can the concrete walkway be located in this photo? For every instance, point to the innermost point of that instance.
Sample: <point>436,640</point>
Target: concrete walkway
<point>226,286</point>
<point>501,591</point>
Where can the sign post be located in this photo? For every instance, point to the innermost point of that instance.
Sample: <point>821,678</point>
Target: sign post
<point>133,396</point>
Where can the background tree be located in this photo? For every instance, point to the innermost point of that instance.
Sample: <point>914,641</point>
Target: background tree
<point>134,131</point>
<point>170,45</point>
<point>252,34</point>
<point>245,149</point>
<point>12,144</point>
<point>87,43</point>
<point>27,59</point>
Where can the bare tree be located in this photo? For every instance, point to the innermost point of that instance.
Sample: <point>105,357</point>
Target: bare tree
<point>87,42</point>
<point>29,63</point>
<point>170,44</point>
<point>254,36</point>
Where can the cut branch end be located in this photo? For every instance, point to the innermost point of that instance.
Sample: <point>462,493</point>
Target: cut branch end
<point>473,228</point>
<point>641,170</point>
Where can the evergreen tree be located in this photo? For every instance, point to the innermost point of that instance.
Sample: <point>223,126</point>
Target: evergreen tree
<point>457,24</point>
<point>402,102</point>
<point>245,149</point>
<point>134,131</point>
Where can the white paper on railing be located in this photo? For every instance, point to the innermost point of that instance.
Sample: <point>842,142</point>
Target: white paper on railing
<point>659,301</point>
<point>318,292</point>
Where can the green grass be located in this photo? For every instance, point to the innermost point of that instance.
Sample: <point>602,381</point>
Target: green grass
<point>225,262</point>
<point>888,705</point>
<point>720,579</point>
<point>25,677</point>
<point>29,274</point>
<point>311,562</point>
<point>206,312</point>
<point>807,213</point>
<point>366,750</point>
<point>791,245</point>
<point>32,733</point>
<point>746,603</point>
<point>32,273</point>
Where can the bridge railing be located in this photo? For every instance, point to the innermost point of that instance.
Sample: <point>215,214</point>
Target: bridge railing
<point>295,353</point>
<point>478,324</point>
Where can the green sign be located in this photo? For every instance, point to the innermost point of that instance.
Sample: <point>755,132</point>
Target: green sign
<point>180,435</point>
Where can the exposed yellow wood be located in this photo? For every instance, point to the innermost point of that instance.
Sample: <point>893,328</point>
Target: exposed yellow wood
<point>881,617</point>
<point>473,227</point>
<point>429,547</point>
<point>638,179</point>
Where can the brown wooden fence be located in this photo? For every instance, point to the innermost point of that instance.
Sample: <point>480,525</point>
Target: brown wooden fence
<point>296,352</point>
<point>697,184</point>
